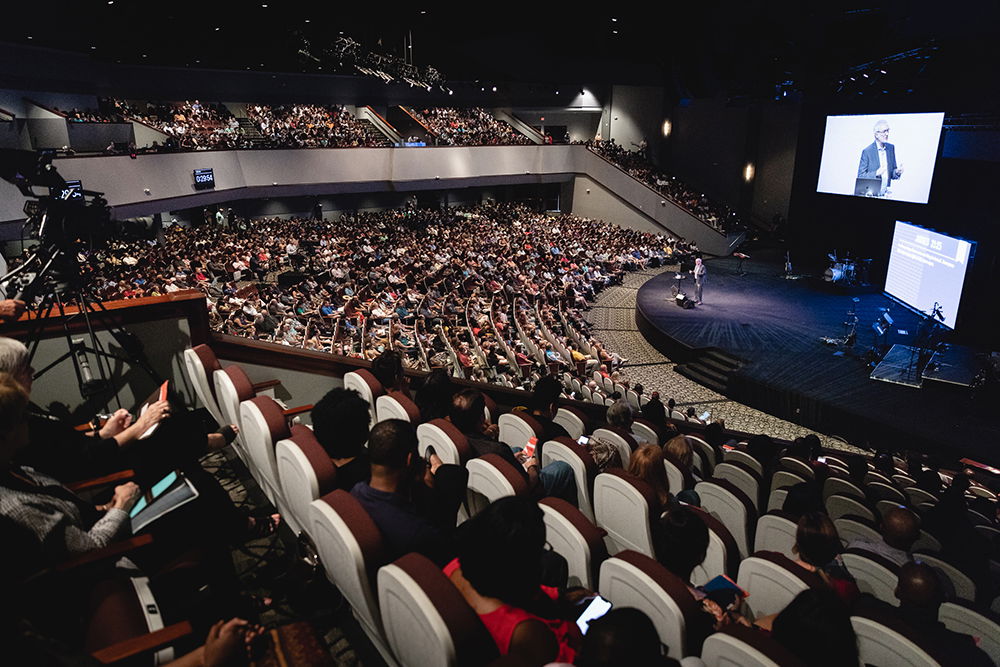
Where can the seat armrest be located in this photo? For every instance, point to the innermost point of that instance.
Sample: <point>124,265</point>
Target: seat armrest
<point>266,384</point>
<point>120,476</point>
<point>152,641</point>
<point>111,551</point>
<point>291,412</point>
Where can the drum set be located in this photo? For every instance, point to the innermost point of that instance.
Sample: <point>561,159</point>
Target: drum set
<point>847,270</point>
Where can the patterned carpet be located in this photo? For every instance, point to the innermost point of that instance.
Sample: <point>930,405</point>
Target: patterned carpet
<point>613,320</point>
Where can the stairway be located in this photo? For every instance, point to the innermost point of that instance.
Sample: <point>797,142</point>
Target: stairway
<point>710,368</point>
<point>250,131</point>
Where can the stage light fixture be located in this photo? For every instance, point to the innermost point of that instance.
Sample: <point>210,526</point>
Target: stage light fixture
<point>748,172</point>
<point>667,127</point>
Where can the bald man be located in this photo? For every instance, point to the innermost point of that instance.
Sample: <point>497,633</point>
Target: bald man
<point>920,594</point>
<point>900,529</point>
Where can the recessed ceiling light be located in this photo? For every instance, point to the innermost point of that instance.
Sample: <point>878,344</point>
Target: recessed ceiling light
<point>307,20</point>
<point>218,29</point>
<point>30,37</point>
<point>614,20</point>
<point>93,47</point>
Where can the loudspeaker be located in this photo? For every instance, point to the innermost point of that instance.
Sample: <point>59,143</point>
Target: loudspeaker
<point>683,302</point>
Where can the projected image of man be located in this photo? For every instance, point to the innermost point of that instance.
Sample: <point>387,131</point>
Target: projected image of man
<point>878,160</point>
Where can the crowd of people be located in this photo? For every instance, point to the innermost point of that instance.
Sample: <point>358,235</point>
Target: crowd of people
<point>468,127</point>
<point>189,125</point>
<point>312,126</point>
<point>637,164</point>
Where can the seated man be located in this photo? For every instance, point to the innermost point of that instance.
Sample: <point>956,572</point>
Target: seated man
<point>900,529</point>
<point>469,416</point>
<point>340,423</point>
<point>413,503</point>
<point>920,595</point>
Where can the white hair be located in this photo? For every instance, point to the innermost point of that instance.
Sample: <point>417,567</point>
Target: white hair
<point>13,356</point>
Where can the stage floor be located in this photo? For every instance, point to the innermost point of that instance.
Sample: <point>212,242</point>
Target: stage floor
<point>773,326</point>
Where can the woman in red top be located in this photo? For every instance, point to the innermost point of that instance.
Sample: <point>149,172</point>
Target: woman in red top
<point>499,572</point>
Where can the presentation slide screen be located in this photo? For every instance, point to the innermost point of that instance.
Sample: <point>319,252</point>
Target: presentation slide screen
<point>885,156</point>
<point>927,268</point>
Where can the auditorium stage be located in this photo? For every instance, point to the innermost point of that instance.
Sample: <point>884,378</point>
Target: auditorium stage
<point>757,337</point>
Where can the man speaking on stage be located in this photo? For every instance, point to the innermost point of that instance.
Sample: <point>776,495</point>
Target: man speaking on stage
<point>878,160</point>
<point>700,271</point>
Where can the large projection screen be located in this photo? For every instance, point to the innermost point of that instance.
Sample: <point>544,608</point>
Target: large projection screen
<point>928,268</point>
<point>853,164</point>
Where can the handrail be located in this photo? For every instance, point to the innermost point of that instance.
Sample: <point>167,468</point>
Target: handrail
<point>46,108</point>
<point>13,116</point>
<point>656,192</point>
<point>419,122</point>
<point>381,118</point>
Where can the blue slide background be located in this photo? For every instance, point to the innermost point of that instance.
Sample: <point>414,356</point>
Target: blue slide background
<point>925,267</point>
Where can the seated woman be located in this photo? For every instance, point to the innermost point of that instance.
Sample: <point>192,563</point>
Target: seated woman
<point>647,465</point>
<point>499,571</point>
<point>818,548</point>
<point>680,540</point>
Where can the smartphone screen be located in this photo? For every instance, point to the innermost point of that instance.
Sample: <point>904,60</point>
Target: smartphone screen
<point>598,607</point>
<point>583,440</point>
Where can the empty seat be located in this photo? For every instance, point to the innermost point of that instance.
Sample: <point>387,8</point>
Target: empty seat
<point>746,647</point>
<point>732,507</point>
<point>838,506</point>
<point>517,428</point>
<point>263,425</point>
<point>426,619</point>
<point>620,438</point>
<point>776,532</point>
<point>772,581</point>
<point>960,616</point>
<point>200,363</point>
<point>624,505</point>
<point>367,386</point>
<point>571,419</point>
<point>396,405</point>
<point>742,477</point>
<point>305,473</point>
<point>448,442</point>
<point>874,574</point>
<point>351,549</point>
<point>632,579</point>
<point>884,640</point>
<point>959,583</point>
<point>574,537</point>
<point>583,466</point>
<point>492,478</point>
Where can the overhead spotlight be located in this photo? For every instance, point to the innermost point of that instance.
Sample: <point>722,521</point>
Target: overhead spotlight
<point>307,20</point>
<point>557,92</point>
<point>494,89</point>
<point>218,29</point>
<point>667,127</point>
<point>748,172</point>
<point>451,92</point>
<point>614,20</point>
<point>882,70</point>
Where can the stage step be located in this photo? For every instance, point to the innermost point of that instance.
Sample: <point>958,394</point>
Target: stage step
<point>703,376</point>
<point>711,369</point>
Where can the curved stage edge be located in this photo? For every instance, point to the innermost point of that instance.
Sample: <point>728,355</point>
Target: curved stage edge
<point>756,340</point>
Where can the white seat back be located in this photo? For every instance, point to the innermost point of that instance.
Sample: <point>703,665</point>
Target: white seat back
<point>491,478</point>
<point>396,406</point>
<point>200,365</point>
<point>517,428</point>
<point>729,505</point>
<point>622,505</point>
<point>744,647</point>
<point>959,617</point>
<point>305,473</point>
<point>850,529</point>
<point>776,500</point>
<point>843,487</point>
<point>620,442</point>
<point>575,538</point>
<point>960,583</point>
<point>879,645</point>
<point>771,585</point>
<point>873,576</point>
<point>367,386</point>
<point>784,479</point>
<point>263,425</point>
<point>775,532</point>
<point>350,548</point>
<point>838,506</point>
<point>232,387</point>
<point>739,456</point>
<point>448,442</point>
<point>631,579</point>
<point>570,421</point>
<point>741,478</point>
<point>583,466</point>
